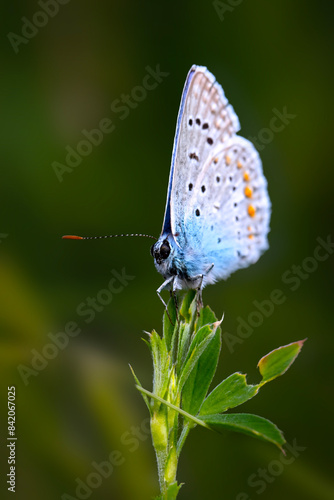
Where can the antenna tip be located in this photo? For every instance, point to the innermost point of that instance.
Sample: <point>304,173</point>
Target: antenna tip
<point>72,237</point>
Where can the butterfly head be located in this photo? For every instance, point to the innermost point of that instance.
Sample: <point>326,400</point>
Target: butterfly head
<point>163,253</point>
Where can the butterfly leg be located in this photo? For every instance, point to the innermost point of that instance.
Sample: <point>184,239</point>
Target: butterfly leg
<point>161,288</point>
<point>199,300</point>
<point>174,297</point>
<point>200,287</point>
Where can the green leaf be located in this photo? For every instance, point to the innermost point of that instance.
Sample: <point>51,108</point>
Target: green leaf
<point>168,327</point>
<point>199,343</point>
<point>206,317</point>
<point>142,393</point>
<point>200,378</point>
<point>160,363</point>
<point>200,335</point>
<point>278,361</point>
<point>187,306</point>
<point>189,312</point>
<point>185,333</point>
<point>230,393</point>
<point>173,490</point>
<point>252,425</point>
<point>147,342</point>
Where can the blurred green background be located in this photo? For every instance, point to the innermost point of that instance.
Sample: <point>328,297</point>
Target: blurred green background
<point>83,405</point>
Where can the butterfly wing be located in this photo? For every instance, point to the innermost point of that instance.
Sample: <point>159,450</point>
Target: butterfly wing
<point>202,97</point>
<point>228,217</point>
<point>218,208</point>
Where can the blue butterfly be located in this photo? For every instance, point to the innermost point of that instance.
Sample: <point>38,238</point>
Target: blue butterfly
<point>218,209</point>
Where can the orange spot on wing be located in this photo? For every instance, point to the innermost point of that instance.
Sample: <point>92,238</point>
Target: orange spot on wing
<point>248,192</point>
<point>227,160</point>
<point>251,210</point>
<point>215,161</point>
<point>246,176</point>
<point>239,165</point>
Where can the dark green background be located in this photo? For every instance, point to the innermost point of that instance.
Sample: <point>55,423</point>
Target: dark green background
<point>266,55</point>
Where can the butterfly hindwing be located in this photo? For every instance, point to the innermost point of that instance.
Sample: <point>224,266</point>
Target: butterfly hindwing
<point>230,208</point>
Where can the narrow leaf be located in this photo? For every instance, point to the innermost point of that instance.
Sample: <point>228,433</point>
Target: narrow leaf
<point>185,332</point>
<point>230,393</point>
<point>143,394</point>
<point>252,425</point>
<point>200,342</point>
<point>173,490</point>
<point>188,311</point>
<point>278,361</point>
<point>200,378</point>
<point>155,341</point>
<point>188,305</point>
<point>168,326</point>
<point>160,362</point>
<point>200,336</point>
<point>147,342</point>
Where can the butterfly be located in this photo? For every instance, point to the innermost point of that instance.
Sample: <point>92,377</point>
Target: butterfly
<point>217,210</point>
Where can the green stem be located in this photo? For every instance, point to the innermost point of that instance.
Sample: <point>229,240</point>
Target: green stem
<point>167,458</point>
<point>161,461</point>
<point>176,357</point>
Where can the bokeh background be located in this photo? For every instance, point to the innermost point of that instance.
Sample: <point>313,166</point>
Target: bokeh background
<point>83,404</point>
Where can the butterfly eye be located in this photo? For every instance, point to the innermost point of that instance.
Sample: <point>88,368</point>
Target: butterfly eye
<point>164,250</point>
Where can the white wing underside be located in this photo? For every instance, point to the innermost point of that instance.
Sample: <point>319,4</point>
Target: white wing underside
<point>219,205</point>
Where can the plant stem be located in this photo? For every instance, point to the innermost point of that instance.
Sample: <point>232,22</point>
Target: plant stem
<point>176,357</point>
<point>161,462</point>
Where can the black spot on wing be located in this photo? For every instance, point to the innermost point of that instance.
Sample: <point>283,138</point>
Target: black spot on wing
<point>193,156</point>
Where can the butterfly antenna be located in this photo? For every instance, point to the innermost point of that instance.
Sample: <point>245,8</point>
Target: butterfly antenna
<point>73,237</point>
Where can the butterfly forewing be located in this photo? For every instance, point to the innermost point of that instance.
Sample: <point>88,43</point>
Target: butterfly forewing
<point>219,206</point>
<point>205,120</point>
